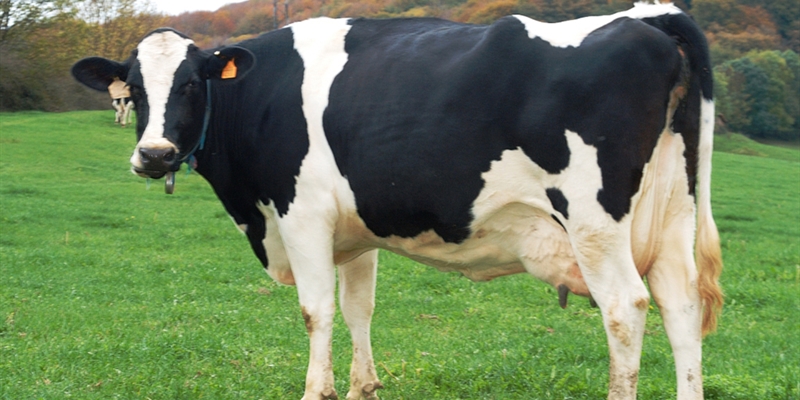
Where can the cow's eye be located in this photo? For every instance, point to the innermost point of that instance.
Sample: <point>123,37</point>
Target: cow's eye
<point>191,87</point>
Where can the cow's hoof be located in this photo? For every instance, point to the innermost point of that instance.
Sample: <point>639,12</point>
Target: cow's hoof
<point>331,395</point>
<point>367,392</point>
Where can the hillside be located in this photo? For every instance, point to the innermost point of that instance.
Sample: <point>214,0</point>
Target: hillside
<point>737,26</point>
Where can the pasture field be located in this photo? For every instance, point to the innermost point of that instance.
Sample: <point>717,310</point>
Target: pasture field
<point>109,289</point>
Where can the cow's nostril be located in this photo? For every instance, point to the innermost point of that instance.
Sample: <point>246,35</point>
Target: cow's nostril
<point>158,159</point>
<point>169,156</point>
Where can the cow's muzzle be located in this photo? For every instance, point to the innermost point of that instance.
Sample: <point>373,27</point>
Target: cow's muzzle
<point>155,163</point>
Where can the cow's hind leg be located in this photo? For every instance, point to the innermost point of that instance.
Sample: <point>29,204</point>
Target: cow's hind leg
<point>673,282</point>
<point>357,301</point>
<point>605,259</point>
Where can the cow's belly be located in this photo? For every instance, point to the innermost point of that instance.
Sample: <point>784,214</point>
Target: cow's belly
<point>492,250</point>
<point>515,239</point>
<point>483,256</point>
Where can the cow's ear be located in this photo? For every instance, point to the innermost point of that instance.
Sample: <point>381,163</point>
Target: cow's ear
<point>232,62</point>
<point>97,72</point>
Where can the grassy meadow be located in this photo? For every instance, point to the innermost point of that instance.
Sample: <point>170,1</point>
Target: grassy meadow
<point>110,289</point>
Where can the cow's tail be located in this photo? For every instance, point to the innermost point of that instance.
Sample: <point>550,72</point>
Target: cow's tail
<point>707,248</point>
<point>694,119</point>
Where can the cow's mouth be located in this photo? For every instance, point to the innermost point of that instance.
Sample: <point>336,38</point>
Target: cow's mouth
<point>157,173</point>
<point>144,173</point>
<point>169,182</point>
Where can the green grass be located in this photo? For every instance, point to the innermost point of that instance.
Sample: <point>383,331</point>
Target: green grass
<point>112,290</point>
<point>739,144</point>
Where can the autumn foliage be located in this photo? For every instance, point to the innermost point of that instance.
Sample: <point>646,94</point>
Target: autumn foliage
<point>754,44</point>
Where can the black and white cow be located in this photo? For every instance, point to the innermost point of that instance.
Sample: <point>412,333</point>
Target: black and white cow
<point>579,152</point>
<point>121,102</point>
<point>123,108</point>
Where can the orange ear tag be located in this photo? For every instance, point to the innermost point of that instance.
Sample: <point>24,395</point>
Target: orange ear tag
<point>229,72</point>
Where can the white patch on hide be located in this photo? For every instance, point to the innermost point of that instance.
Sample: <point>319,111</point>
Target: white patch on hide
<point>571,33</point>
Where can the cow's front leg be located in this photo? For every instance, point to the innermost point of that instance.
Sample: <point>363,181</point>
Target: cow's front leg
<point>315,290</point>
<point>357,301</point>
<point>117,111</point>
<point>609,271</point>
<point>313,269</point>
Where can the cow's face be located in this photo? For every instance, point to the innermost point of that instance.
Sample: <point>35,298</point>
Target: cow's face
<point>168,77</point>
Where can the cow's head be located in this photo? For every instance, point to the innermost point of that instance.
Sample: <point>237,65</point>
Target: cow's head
<point>168,76</point>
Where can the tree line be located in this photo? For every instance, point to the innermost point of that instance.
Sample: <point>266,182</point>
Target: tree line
<point>754,43</point>
<point>41,39</point>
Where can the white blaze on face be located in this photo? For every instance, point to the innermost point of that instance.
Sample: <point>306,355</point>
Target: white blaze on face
<point>159,57</point>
